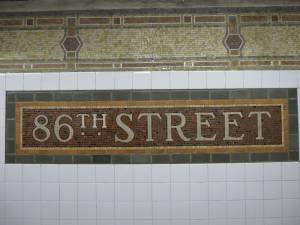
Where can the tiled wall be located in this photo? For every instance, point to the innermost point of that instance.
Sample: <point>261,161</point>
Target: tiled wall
<point>183,194</point>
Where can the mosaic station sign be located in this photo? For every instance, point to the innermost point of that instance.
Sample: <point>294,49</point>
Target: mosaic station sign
<point>122,127</point>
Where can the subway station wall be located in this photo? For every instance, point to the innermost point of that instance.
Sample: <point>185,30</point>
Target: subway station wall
<point>192,193</point>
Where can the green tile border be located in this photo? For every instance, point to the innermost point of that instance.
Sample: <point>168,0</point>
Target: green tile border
<point>192,94</point>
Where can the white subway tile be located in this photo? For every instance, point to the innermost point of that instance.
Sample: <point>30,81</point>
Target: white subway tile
<point>217,209</point>
<point>290,189</point>
<point>2,81</point>
<point>142,192</point>
<point>32,81</point>
<point>234,79</point>
<point>236,209</point>
<point>87,222</point>
<point>272,208</point>
<point>272,190</point>
<point>235,190</point>
<point>14,221</point>
<point>217,172</point>
<point>2,212</point>
<point>179,79</point>
<point>86,80</point>
<point>13,191</point>
<point>180,173</point>
<point>32,209</point>
<point>272,171</point>
<point>124,192</point>
<point>13,173</point>
<point>50,191</point>
<point>105,173</point>
<point>86,173</point>
<point>255,221</point>
<point>87,210</point>
<point>215,79</point>
<point>252,79</point>
<point>141,173</point>
<point>142,80</point>
<point>105,191</point>
<point>161,210</point>
<point>68,191</point>
<point>2,173</point>
<point>105,80</point>
<point>67,222</point>
<point>217,191</point>
<point>49,173</point>
<point>50,222</point>
<point>31,173</point>
<point>160,80</point>
<point>49,210</point>
<point>2,100</point>
<point>180,191</point>
<point>288,78</point>
<point>143,210</point>
<point>198,172</point>
<point>68,81</point>
<point>199,191</point>
<point>50,81</point>
<point>235,172</point>
<point>290,171</point>
<point>197,80</point>
<point>180,210</point>
<point>123,80</point>
<point>161,191</point>
<point>35,221</point>
<point>2,118</point>
<point>68,173</point>
<point>67,210</point>
<point>199,210</point>
<point>32,191</point>
<point>217,221</point>
<point>291,220</point>
<point>105,210</point>
<point>123,173</point>
<point>86,191</point>
<point>14,210</point>
<point>270,79</point>
<point>272,221</point>
<point>2,147</point>
<point>290,207</point>
<point>14,82</point>
<point>124,210</point>
<point>254,171</point>
<point>160,173</point>
<point>254,208</point>
<point>254,189</point>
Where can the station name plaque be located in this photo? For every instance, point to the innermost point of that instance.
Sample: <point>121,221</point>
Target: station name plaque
<point>154,127</point>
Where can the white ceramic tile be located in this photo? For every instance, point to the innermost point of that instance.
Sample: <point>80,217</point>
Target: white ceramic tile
<point>254,190</point>
<point>272,208</point>
<point>32,209</point>
<point>142,192</point>
<point>105,210</point>
<point>234,79</point>
<point>68,81</point>
<point>14,81</point>
<point>288,78</point>
<point>160,80</point>
<point>217,221</point>
<point>142,210</point>
<point>290,189</point>
<point>87,210</point>
<point>86,80</point>
<point>68,191</point>
<point>31,221</point>
<point>31,173</point>
<point>67,210</point>
<point>50,81</point>
<point>272,171</point>
<point>124,222</point>
<point>215,79</point>
<point>254,171</point>
<point>180,173</point>
<point>272,189</point>
<point>13,191</point>
<point>217,172</point>
<point>32,191</point>
<point>236,209</point>
<point>14,221</point>
<point>123,173</point>
<point>254,221</point>
<point>68,173</point>
<point>290,170</point>
<point>254,208</point>
<point>49,210</point>
<point>50,191</point>
<point>161,210</point>
<point>14,209</point>
<point>106,191</point>
<point>160,173</point>
<point>199,210</point>
<point>123,80</point>
<point>160,191</point>
<point>252,79</point>
<point>13,173</point>
<point>180,192</point>
<point>2,192</point>
<point>124,210</point>
<point>235,172</point>
<point>199,191</point>
<point>198,172</point>
<point>49,173</point>
<point>2,148</point>
<point>2,173</point>
<point>86,173</point>
<point>142,80</point>
<point>87,222</point>
<point>197,80</point>
<point>105,80</point>
<point>217,209</point>
<point>2,100</point>
<point>217,191</point>
<point>235,190</point>
<point>141,173</point>
<point>32,81</point>
<point>290,207</point>
<point>86,191</point>
<point>291,220</point>
<point>180,210</point>
<point>106,222</point>
<point>272,221</point>
<point>124,191</point>
<point>270,79</point>
<point>105,173</point>
<point>2,81</point>
<point>179,79</point>
<point>67,222</point>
